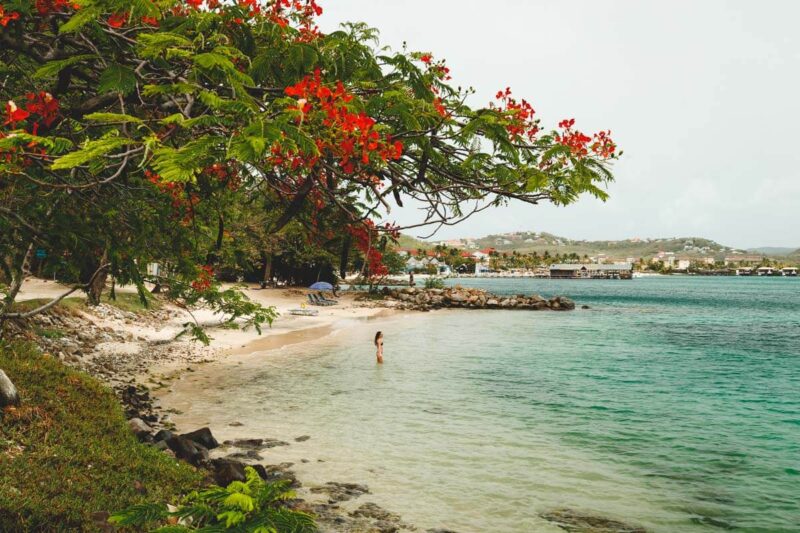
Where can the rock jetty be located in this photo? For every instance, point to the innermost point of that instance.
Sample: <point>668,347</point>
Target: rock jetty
<point>470,298</point>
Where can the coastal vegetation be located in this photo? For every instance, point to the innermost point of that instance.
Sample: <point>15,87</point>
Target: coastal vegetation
<point>67,455</point>
<point>171,145</point>
<point>247,506</point>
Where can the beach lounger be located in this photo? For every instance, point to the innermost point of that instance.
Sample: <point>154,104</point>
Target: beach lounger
<point>326,299</point>
<point>315,300</point>
<point>304,312</point>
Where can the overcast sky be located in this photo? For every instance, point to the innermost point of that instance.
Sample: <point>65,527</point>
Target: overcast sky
<point>703,96</point>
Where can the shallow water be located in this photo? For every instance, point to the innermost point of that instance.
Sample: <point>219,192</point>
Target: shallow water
<point>673,403</point>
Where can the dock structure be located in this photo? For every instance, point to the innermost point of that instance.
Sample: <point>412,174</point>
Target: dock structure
<point>591,271</point>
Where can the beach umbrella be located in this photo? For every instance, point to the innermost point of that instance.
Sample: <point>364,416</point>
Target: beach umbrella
<point>322,286</point>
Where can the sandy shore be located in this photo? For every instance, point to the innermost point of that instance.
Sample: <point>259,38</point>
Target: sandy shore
<point>144,347</point>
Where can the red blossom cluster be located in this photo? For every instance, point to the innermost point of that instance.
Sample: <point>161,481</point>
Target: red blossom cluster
<point>442,72</point>
<point>521,122</point>
<point>437,68</point>
<point>351,136</point>
<point>581,144</point>
<point>7,16</point>
<point>45,7</point>
<point>39,108</point>
<point>183,203</point>
<point>226,174</point>
<point>117,20</point>
<point>362,235</point>
<point>14,115</point>
<point>205,277</point>
<point>304,11</point>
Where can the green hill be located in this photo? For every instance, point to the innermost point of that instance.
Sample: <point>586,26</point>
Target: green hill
<point>532,241</point>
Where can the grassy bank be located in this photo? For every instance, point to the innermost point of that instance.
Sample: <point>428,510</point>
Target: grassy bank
<point>125,301</point>
<point>66,452</point>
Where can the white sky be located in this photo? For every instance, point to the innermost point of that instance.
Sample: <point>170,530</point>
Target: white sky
<point>703,97</point>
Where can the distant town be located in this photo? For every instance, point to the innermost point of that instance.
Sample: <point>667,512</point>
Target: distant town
<point>543,255</point>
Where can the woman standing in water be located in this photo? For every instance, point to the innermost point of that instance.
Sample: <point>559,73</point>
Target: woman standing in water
<point>379,346</point>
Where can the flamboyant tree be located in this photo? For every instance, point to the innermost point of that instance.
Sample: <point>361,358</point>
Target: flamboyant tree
<point>137,131</point>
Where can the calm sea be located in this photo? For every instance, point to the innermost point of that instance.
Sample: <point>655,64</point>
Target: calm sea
<point>672,403</point>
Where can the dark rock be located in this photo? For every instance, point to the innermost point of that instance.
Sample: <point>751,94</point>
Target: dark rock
<point>577,522</point>
<point>227,471</point>
<point>203,437</point>
<point>584,307</point>
<point>340,492</point>
<point>139,428</point>
<point>302,438</point>
<point>100,521</point>
<point>255,444</point>
<point>566,303</point>
<point>236,424</point>
<point>163,434</point>
<point>8,392</point>
<point>249,455</point>
<point>279,472</point>
<point>188,450</point>
<point>261,471</point>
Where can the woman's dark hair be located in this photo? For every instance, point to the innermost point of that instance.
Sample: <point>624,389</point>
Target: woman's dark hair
<point>378,336</point>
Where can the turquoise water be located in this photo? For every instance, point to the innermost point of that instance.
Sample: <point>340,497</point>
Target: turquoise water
<point>672,403</point>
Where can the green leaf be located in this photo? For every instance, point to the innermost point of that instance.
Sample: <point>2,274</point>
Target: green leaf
<point>138,515</point>
<point>54,145</point>
<point>242,501</point>
<point>52,68</point>
<point>90,151</point>
<point>183,164</point>
<point>212,61</point>
<point>117,78</point>
<point>112,117</point>
<point>152,45</point>
<point>80,19</point>
<point>302,58</point>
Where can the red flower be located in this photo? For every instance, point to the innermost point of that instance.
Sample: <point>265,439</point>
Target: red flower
<point>117,19</point>
<point>426,58</point>
<point>151,21</point>
<point>204,278</point>
<point>14,114</point>
<point>566,123</point>
<point>195,3</point>
<point>5,18</point>
<point>44,105</point>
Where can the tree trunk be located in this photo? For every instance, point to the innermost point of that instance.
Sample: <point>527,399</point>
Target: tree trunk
<point>266,258</point>
<point>345,256</point>
<point>95,289</point>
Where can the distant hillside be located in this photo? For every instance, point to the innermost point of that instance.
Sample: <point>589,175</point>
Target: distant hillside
<point>774,250</point>
<point>411,243</point>
<point>540,242</point>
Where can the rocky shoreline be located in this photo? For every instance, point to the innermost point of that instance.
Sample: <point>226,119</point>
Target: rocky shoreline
<point>102,348</point>
<point>421,299</point>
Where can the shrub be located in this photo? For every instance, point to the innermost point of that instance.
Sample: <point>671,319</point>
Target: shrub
<point>434,283</point>
<point>251,506</point>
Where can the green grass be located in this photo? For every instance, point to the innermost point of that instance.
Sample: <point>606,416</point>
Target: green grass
<point>124,301</point>
<point>66,452</point>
